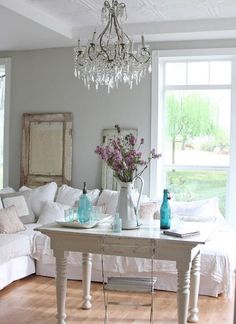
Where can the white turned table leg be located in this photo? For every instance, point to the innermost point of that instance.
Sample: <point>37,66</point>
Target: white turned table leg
<point>183,291</point>
<point>61,283</point>
<point>194,289</point>
<point>87,268</point>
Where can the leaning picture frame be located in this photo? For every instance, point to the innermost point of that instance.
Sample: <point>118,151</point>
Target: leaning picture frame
<point>46,148</point>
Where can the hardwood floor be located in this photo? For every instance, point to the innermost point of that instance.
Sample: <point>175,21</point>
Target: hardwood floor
<point>32,300</point>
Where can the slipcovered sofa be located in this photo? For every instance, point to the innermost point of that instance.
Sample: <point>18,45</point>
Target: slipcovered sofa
<point>27,251</point>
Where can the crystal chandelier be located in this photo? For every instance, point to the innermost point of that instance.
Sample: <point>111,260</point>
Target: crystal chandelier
<point>111,58</point>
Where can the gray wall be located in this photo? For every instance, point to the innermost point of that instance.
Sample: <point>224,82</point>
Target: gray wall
<point>43,81</point>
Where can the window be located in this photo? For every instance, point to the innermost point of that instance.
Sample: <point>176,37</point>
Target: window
<point>193,111</point>
<point>4,120</point>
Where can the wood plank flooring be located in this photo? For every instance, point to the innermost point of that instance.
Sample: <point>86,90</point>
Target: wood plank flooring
<point>32,301</point>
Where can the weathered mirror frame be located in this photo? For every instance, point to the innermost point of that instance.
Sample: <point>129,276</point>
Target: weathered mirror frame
<point>108,179</point>
<point>46,153</point>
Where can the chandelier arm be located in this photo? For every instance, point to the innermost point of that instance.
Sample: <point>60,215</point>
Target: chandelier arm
<point>133,56</point>
<point>107,4</point>
<point>117,28</point>
<point>100,37</point>
<point>103,50</point>
<point>123,58</point>
<point>110,29</point>
<point>77,56</point>
<point>127,37</point>
<point>137,60</point>
<point>92,46</point>
<point>101,53</point>
<point>104,30</point>
<point>116,24</point>
<point>147,53</point>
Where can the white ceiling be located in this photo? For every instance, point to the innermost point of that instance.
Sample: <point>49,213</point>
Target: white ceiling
<point>34,24</point>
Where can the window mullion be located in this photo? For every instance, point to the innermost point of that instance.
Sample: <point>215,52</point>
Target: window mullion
<point>231,187</point>
<point>196,87</point>
<point>196,167</point>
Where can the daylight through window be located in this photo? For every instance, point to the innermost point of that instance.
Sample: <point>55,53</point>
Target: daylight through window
<point>195,100</point>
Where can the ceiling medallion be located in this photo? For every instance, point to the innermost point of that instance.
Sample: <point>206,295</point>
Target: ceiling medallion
<point>111,59</point>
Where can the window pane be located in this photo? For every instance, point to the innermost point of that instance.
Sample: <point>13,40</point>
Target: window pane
<point>188,185</point>
<point>197,130</point>
<point>220,72</point>
<point>175,73</point>
<point>198,73</point>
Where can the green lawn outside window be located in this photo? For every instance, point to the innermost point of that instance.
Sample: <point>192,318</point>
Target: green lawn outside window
<point>187,185</point>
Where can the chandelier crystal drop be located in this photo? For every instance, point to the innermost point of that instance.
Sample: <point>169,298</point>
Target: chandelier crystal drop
<point>111,59</point>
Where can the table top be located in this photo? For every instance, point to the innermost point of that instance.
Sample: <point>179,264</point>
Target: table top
<point>148,230</point>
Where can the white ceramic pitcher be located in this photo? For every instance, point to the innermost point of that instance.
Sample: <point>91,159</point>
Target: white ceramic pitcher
<point>128,207</point>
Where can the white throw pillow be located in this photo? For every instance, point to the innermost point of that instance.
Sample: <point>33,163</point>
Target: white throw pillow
<point>9,221</point>
<point>51,212</point>
<point>5,190</point>
<point>40,194</point>
<point>68,196</point>
<point>21,200</point>
<point>108,200</point>
<point>93,195</point>
<point>20,204</point>
<point>147,210</point>
<point>206,210</point>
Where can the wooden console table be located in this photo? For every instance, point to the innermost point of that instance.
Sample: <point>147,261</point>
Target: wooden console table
<point>185,251</point>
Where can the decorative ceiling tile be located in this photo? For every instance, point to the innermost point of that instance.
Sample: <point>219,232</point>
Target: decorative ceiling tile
<point>82,13</point>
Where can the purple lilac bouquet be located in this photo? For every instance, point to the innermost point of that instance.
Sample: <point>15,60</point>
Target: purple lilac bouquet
<point>122,155</point>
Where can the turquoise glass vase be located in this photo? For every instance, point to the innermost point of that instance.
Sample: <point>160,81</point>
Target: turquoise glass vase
<point>85,207</point>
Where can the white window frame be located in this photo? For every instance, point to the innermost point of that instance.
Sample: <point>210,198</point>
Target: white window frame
<point>156,169</point>
<point>7,63</point>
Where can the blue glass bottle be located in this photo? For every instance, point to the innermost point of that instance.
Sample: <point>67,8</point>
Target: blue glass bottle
<point>85,207</point>
<point>165,212</point>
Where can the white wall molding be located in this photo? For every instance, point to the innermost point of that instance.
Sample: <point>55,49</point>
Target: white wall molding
<point>6,145</point>
<point>172,30</point>
<point>154,118</point>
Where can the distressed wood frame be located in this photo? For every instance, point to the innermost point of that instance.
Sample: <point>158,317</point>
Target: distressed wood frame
<point>46,151</point>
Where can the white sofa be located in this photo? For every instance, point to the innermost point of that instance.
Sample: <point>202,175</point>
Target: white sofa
<point>23,250</point>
